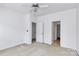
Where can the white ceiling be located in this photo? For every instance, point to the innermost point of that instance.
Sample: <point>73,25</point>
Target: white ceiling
<point>26,7</point>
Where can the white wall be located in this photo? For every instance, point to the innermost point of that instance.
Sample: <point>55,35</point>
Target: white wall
<point>14,26</point>
<point>68,27</point>
<point>77,31</point>
<point>28,29</point>
<point>11,28</point>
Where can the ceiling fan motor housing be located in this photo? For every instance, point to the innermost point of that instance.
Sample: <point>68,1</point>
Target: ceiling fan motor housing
<point>35,5</point>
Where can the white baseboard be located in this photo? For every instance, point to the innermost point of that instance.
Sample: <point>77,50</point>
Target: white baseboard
<point>11,45</point>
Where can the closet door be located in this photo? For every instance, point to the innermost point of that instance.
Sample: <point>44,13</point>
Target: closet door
<point>48,33</point>
<point>39,32</point>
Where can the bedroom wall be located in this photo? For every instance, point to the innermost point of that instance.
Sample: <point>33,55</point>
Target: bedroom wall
<point>28,29</point>
<point>77,31</point>
<point>67,19</point>
<point>16,28</point>
<point>11,28</point>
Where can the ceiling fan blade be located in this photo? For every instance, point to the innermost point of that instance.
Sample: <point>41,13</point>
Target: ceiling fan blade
<point>43,6</point>
<point>27,5</point>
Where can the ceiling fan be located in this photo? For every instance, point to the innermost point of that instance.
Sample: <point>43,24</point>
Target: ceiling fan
<point>39,5</point>
<point>36,6</point>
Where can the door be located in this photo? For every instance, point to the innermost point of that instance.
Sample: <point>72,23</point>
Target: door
<point>48,33</point>
<point>39,32</point>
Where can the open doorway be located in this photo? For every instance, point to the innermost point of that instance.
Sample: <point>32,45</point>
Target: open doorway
<point>56,34</point>
<point>33,32</point>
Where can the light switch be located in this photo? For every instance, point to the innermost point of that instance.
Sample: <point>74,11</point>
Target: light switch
<point>27,30</point>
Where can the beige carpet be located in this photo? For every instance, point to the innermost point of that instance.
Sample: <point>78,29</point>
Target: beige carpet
<point>37,49</point>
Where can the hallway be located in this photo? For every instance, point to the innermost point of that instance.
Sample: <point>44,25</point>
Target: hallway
<point>56,43</point>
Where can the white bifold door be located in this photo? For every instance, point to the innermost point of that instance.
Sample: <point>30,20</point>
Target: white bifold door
<point>43,32</point>
<point>39,32</point>
<point>48,33</point>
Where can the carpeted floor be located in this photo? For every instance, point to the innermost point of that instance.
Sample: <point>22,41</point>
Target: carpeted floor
<point>37,49</point>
